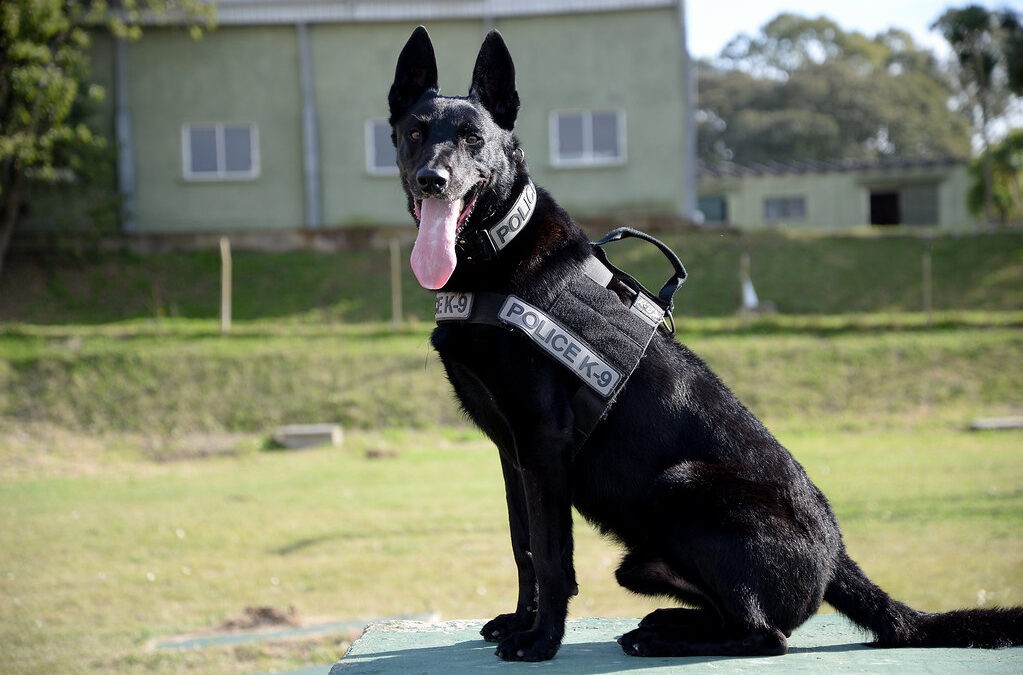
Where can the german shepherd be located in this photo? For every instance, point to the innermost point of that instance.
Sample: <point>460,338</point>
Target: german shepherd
<point>712,511</point>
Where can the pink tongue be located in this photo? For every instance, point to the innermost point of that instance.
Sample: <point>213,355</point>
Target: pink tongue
<point>433,255</point>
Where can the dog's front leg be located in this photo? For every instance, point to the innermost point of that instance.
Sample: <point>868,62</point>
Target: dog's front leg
<point>518,520</point>
<point>548,511</point>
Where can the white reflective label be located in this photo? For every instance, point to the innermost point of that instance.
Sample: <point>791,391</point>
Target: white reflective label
<point>575,354</point>
<point>645,308</point>
<point>502,233</point>
<point>453,306</point>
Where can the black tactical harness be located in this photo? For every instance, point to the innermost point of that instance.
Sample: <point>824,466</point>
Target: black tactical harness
<point>598,327</point>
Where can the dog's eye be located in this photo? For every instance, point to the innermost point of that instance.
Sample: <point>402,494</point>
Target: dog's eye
<point>415,135</point>
<point>473,139</point>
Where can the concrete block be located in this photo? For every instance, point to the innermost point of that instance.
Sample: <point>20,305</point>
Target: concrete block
<point>997,423</point>
<point>828,643</point>
<point>295,436</point>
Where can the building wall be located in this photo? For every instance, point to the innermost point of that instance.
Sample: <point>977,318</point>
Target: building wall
<point>627,60</point>
<point>353,66</point>
<point>841,199</point>
<point>233,74</point>
<point>250,74</point>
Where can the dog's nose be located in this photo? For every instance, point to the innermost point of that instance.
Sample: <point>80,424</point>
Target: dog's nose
<point>432,181</point>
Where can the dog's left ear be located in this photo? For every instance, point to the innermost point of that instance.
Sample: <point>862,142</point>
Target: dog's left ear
<point>493,81</point>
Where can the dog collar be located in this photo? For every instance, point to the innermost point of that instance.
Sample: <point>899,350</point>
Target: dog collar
<point>486,244</point>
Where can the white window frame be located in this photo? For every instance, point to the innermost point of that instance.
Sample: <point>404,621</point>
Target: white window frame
<point>786,202</point>
<point>372,168</point>
<point>221,173</point>
<point>588,158</point>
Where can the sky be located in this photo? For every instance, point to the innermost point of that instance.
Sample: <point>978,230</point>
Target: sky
<point>713,23</point>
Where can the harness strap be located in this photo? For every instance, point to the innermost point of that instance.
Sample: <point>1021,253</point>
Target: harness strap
<point>675,281</point>
<point>587,329</point>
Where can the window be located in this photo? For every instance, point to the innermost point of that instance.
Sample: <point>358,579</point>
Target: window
<point>380,153</point>
<point>714,208</point>
<point>784,208</point>
<point>219,151</point>
<point>587,137</point>
<point>920,204</point>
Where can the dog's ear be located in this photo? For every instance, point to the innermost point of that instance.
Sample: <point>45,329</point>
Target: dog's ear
<point>415,74</point>
<point>493,81</point>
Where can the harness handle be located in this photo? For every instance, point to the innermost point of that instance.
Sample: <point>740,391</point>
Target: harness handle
<point>668,290</point>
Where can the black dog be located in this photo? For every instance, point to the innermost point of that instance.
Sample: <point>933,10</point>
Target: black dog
<point>712,510</point>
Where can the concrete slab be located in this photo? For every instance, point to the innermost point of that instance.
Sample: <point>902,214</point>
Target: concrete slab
<point>298,436</point>
<point>825,644</point>
<point>997,423</point>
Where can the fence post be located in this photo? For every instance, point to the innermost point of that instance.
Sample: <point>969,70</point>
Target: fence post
<point>225,286</point>
<point>396,301</point>
<point>928,291</point>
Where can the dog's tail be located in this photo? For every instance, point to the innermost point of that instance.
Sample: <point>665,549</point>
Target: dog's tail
<point>895,624</point>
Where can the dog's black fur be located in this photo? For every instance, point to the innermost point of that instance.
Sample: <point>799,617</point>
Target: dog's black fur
<point>713,512</point>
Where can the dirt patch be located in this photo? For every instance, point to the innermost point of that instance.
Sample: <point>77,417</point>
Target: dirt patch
<point>253,618</point>
<point>191,446</point>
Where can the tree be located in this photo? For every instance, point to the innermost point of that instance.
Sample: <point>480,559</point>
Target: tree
<point>1005,160</point>
<point>44,74</point>
<point>804,88</point>
<point>988,46</point>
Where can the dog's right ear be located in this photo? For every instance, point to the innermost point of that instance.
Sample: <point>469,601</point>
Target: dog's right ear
<point>415,74</point>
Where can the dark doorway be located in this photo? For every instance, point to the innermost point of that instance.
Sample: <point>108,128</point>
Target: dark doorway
<point>884,208</point>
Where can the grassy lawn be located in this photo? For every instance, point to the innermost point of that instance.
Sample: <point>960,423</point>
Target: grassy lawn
<point>169,378</point>
<point>141,504</point>
<point>800,273</point>
<point>107,550</point>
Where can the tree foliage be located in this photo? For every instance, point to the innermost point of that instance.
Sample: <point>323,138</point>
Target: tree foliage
<point>44,86</point>
<point>1006,161</point>
<point>988,48</point>
<point>804,88</point>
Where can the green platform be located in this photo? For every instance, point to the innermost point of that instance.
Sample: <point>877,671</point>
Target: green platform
<point>825,644</point>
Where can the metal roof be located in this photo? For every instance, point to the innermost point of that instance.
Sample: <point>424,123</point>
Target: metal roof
<point>241,12</point>
<point>733,170</point>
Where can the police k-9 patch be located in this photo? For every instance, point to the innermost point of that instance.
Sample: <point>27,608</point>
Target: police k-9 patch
<point>453,306</point>
<point>565,347</point>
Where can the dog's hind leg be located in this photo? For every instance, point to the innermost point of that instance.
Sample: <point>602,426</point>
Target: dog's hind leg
<point>649,574</point>
<point>707,640</point>
<point>711,628</point>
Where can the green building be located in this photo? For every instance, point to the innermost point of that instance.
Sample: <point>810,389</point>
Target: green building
<point>837,195</point>
<point>275,121</point>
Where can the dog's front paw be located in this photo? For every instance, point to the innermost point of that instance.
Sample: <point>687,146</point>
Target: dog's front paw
<point>501,627</point>
<point>530,645</point>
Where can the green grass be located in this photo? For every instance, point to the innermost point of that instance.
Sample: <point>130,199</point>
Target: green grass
<point>141,505</point>
<point>107,550</point>
<point>140,502</point>
<point>801,274</point>
<point>172,378</point>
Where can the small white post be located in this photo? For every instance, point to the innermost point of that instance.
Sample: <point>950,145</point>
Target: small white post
<point>225,286</point>
<point>750,301</point>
